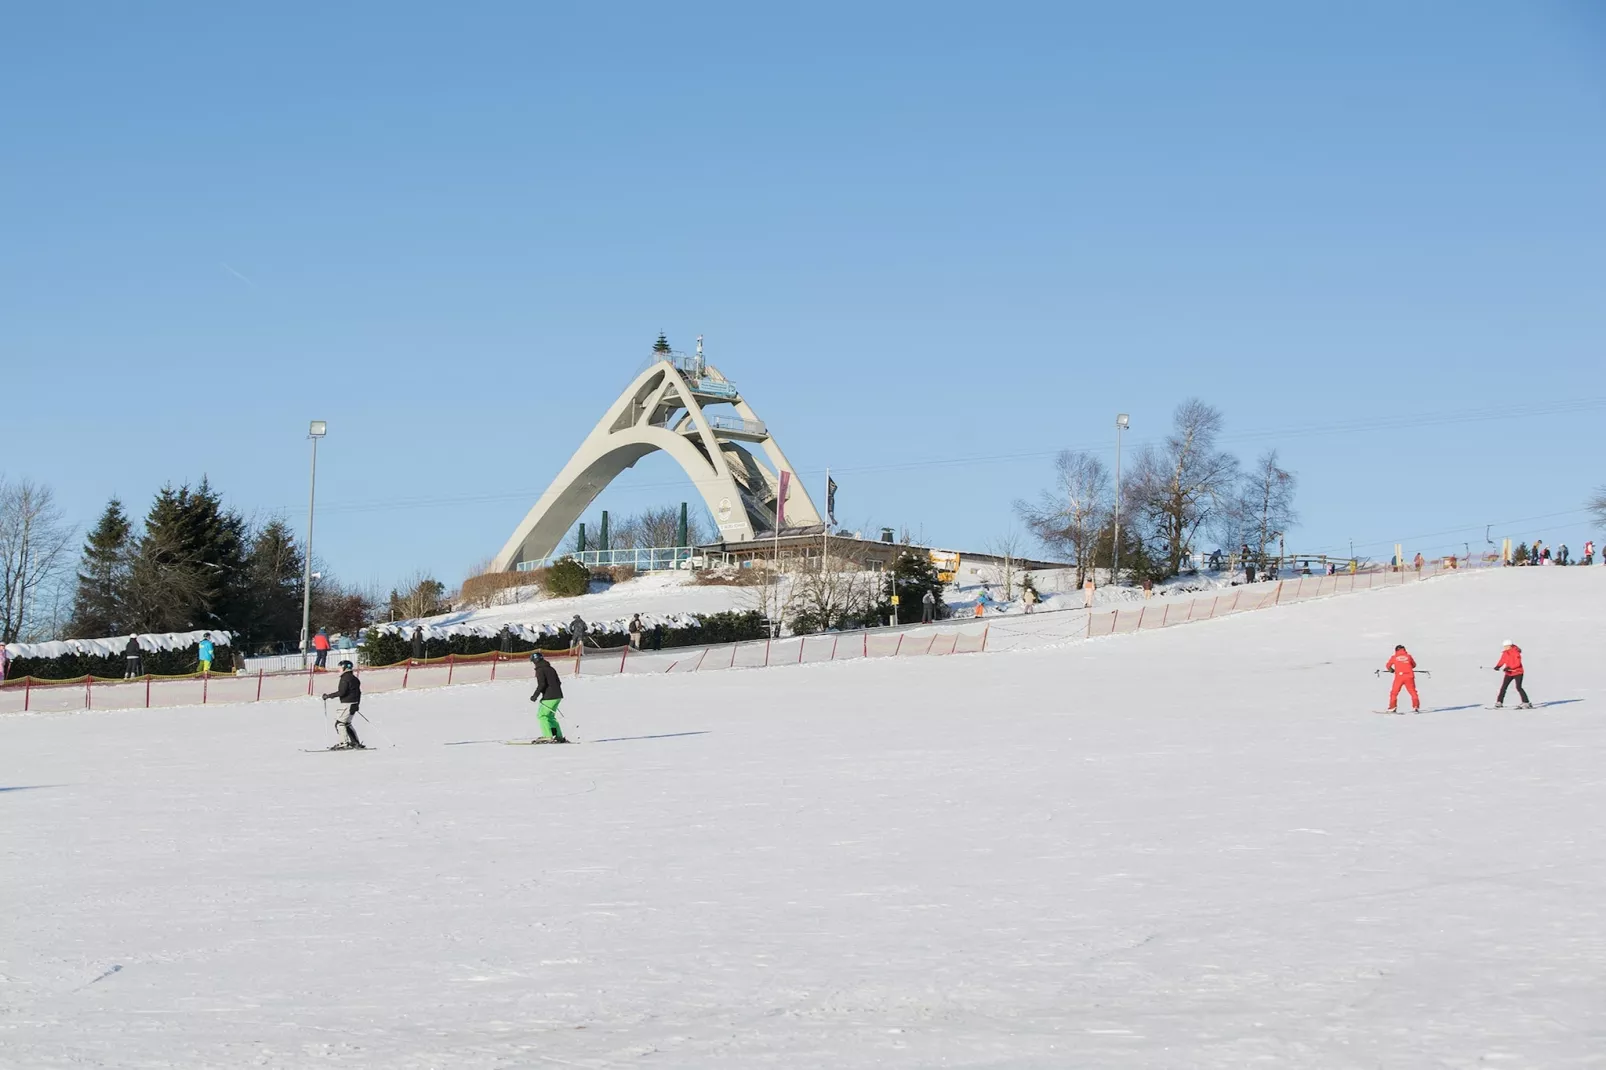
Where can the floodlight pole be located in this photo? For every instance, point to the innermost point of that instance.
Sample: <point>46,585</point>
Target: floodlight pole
<point>315,430</point>
<point>1122,421</point>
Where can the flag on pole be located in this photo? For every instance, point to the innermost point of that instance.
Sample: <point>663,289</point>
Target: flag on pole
<point>830,500</point>
<point>780,501</point>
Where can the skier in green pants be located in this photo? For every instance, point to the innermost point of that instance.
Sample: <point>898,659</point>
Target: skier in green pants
<point>549,694</point>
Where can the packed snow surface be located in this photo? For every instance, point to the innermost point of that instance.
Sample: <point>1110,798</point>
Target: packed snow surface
<point>1190,848</point>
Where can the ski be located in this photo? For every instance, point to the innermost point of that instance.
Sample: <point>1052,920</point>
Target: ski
<point>326,750</point>
<point>533,742</point>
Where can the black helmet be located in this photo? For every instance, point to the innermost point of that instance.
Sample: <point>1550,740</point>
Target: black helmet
<point>347,665</point>
<point>536,655</point>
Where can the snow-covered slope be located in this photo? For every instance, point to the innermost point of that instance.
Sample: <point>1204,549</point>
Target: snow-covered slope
<point>1188,848</point>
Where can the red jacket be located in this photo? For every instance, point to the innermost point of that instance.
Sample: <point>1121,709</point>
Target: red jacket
<point>320,642</point>
<point>1510,660</point>
<point>1401,664</point>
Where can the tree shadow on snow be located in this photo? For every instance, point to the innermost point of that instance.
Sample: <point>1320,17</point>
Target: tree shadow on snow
<point>665,735</point>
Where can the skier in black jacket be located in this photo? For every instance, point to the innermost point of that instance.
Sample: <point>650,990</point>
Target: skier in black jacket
<point>549,695</point>
<point>349,694</point>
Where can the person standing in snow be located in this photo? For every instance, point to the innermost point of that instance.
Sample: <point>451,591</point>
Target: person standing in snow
<point>5,661</point>
<point>133,659</point>
<point>349,694</point>
<point>418,644</point>
<point>1589,551</point>
<point>636,629</point>
<point>577,636</point>
<point>658,636</point>
<point>1403,666</point>
<point>205,652</point>
<point>320,647</point>
<point>1511,664</point>
<point>1416,562</point>
<point>928,607</point>
<point>548,697</point>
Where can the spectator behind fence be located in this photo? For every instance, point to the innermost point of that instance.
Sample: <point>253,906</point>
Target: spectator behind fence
<point>320,645</point>
<point>133,659</point>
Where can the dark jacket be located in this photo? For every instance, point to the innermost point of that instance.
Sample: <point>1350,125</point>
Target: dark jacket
<point>133,648</point>
<point>577,629</point>
<point>418,642</point>
<point>350,689</point>
<point>547,684</point>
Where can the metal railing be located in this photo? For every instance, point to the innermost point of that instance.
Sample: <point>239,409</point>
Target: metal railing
<point>732,423</point>
<point>640,558</point>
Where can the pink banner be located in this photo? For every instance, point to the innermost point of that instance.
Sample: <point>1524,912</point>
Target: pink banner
<point>780,501</point>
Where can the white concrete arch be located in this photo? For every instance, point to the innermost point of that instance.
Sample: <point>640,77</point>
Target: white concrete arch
<point>664,409</point>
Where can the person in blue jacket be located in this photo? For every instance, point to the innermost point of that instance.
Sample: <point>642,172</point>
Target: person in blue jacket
<point>206,652</point>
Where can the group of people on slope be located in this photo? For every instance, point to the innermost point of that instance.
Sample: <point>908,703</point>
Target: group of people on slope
<point>1403,668</point>
<point>1540,554</point>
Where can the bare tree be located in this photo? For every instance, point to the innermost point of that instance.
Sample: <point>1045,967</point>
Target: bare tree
<point>1597,505</point>
<point>1007,548</point>
<point>34,555</point>
<point>841,591</point>
<point>1181,485</point>
<point>1267,502</point>
<point>1069,516</point>
<point>773,599</point>
<point>420,596</point>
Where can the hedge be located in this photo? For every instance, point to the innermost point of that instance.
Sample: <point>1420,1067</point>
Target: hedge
<point>181,662</point>
<point>390,648</point>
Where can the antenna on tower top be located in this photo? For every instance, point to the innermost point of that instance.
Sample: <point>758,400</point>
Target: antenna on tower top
<point>699,345</point>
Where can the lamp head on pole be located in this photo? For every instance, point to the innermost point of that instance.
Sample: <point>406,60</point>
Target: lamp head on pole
<point>1123,421</point>
<point>318,429</point>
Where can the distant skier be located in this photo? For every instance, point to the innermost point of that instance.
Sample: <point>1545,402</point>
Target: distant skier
<point>418,644</point>
<point>349,694</point>
<point>5,661</point>
<point>205,652</point>
<point>577,636</point>
<point>636,628</point>
<point>1511,664</point>
<point>1589,552</point>
<point>548,696</point>
<point>657,636</point>
<point>133,659</point>
<point>320,645</point>
<point>1416,562</point>
<point>928,607</point>
<point>1403,666</point>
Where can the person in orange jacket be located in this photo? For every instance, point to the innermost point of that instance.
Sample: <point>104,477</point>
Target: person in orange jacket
<point>1511,664</point>
<point>1403,666</point>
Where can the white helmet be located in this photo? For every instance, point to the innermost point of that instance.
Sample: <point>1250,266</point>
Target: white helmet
<point>1508,642</point>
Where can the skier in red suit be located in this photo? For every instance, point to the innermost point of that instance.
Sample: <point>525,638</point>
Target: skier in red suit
<point>1403,666</point>
<point>1511,662</point>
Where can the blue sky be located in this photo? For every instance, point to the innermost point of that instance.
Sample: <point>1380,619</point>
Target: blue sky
<point>932,243</point>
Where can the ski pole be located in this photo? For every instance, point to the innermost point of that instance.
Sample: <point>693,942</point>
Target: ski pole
<point>388,741</point>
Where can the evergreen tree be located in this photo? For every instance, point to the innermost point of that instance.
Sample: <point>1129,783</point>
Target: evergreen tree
<point>661,347</point>
<point>99,605</point>
<point>273,587</point>
<point>913,574</point>
<point>191,568</point>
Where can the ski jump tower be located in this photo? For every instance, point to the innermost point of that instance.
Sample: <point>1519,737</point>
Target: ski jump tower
<point>667,408</point>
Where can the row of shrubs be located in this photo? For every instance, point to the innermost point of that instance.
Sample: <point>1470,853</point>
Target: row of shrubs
<point>179,662</point>
<point>388,648</point>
